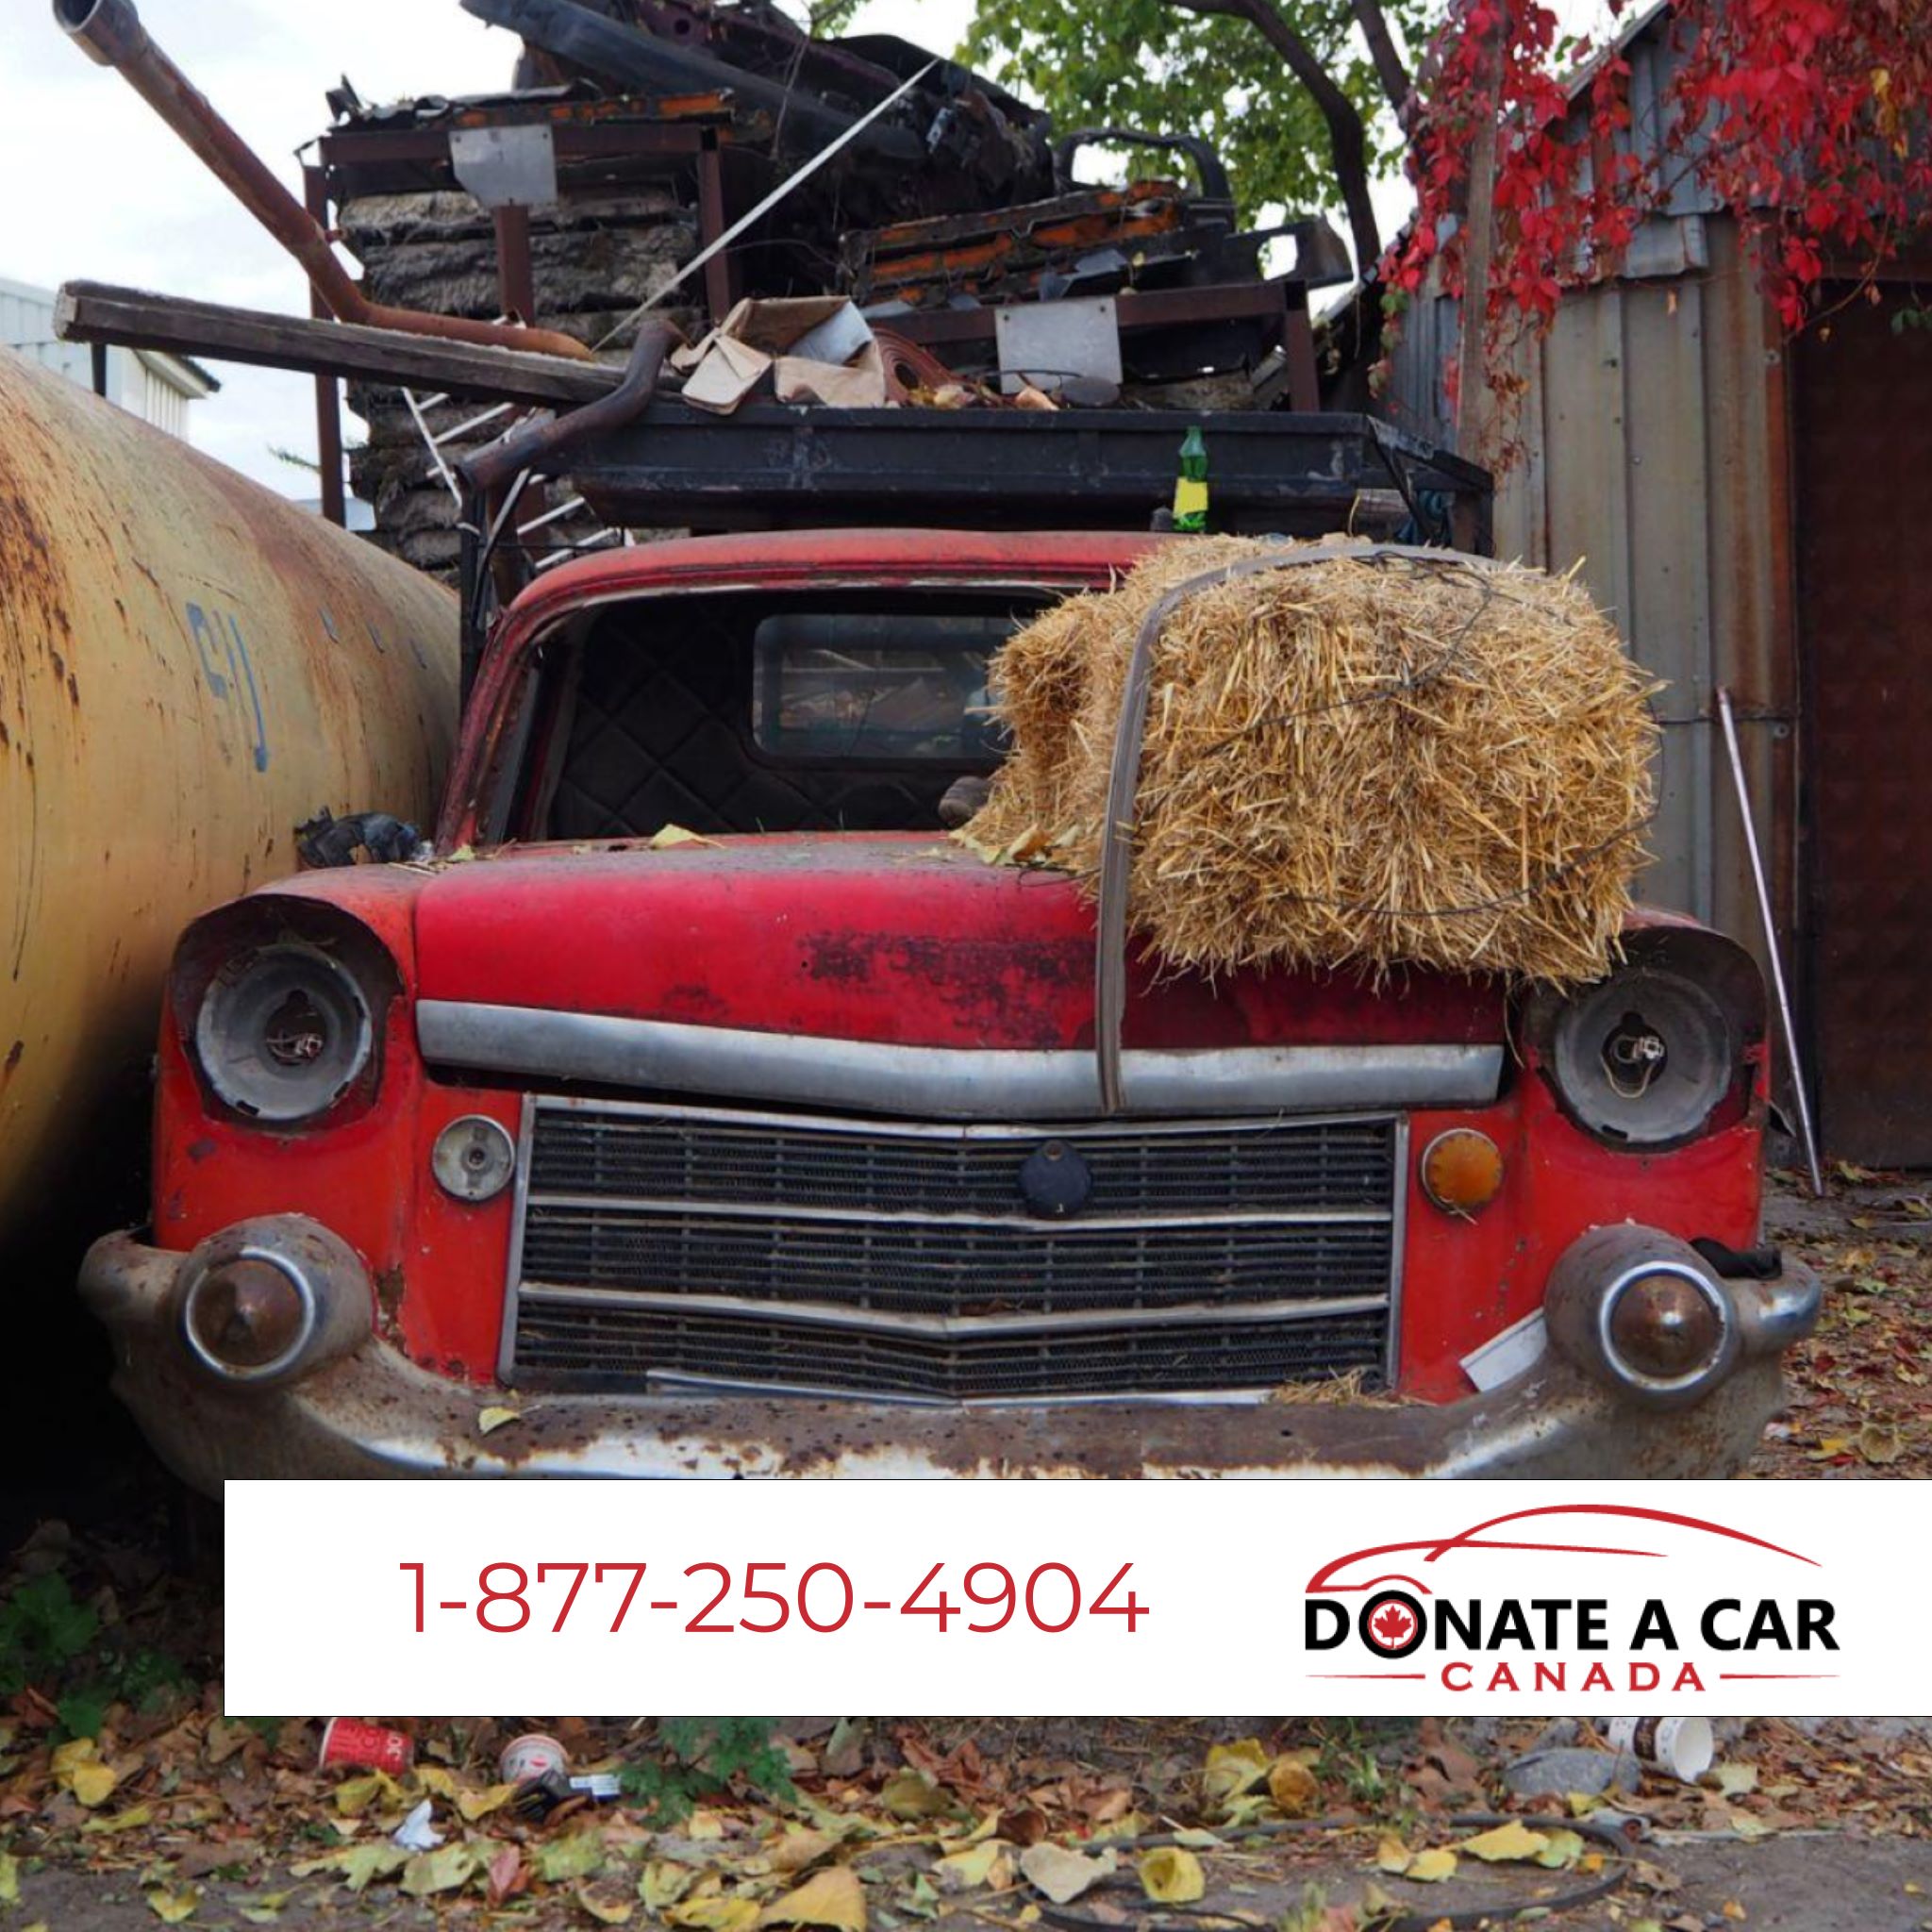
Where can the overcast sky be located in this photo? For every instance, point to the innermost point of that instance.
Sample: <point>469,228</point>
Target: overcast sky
<point>92,184</point>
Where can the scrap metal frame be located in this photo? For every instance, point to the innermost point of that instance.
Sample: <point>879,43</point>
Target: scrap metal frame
<point>692,130</point>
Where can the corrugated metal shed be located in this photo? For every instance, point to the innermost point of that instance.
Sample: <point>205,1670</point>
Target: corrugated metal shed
<point>1648,452</point>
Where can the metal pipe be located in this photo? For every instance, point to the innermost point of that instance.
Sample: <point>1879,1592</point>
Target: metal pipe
<point>1728,719</point>
<point>540,446</point>
<point>110,32</point>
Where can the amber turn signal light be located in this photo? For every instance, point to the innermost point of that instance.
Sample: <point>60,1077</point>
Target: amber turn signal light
<point>1462,1170</point>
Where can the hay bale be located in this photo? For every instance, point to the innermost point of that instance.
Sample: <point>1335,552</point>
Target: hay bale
<point>1350,763</point>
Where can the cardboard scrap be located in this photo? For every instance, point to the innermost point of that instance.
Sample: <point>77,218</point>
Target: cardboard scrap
<point>815,349</point>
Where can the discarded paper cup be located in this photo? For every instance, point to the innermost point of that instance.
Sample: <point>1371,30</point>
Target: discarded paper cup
<point>1684,1746</point>
<point>368,1747</point>
<point>530,1755</point>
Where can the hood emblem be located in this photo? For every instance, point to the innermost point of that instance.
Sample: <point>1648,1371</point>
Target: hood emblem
<point>1054,1181</point>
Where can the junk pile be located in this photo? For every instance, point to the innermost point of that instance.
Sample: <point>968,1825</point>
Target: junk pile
<point>1377,760</point>
<point>709,164</point>
<point>594,259</point>
<point>641,128</point>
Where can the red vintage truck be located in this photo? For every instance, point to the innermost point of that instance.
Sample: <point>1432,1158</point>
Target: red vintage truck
<point>703,1107</point>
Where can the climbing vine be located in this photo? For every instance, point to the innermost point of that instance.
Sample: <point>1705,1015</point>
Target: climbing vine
<point>1805,117</point>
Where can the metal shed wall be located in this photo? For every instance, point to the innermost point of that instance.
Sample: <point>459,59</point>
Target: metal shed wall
<point>1649,448</point>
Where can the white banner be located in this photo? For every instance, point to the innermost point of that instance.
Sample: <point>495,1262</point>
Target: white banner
<point>1155,1598</point>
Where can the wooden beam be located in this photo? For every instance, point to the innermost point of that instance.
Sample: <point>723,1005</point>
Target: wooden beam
<point>96,312</point>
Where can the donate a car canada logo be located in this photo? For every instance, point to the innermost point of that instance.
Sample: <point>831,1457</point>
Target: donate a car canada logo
<point>1573,1597</point>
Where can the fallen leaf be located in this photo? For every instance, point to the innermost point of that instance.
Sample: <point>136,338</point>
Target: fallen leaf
<point>1749,1829</point>
<point>1024,1824</point>
<point>476,1804</point>
<point>1393,1857</point>
<point>506,1876</point>
<point>606,1911</point>
<point>1233,1769</point>
<point>908,1794</point>
<point>833,1897</point>
<point>794,1849</point>
<point>1562,1850</point>
<point>223,1739</point>
<point>579,1855</point>
<point>1432,1867</point>
<point>714,1914</point>
<point>490,1418</point>
<point>172,1907</point>
<point>1734,1779</point>
<point>1506,1844</point>
<point>77,1765</point>
<point>129,1820</point>
<point>10,1879</point>
<point>92,1783</point>
<point>360,1864</point>
<point>1879,1442</point>
<point>355,1795</point>
<point>1734,1910</point>
<point>1171,1875</point>
<point>1061,1874</point>
<point>970,1870</point>
<point>663,1882</point>
<point>668,836</point>
<point>1293,1787</point>
<point>443,1869</point>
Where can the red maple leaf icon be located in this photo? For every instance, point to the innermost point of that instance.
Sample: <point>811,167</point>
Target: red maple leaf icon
<point>1392,1625</point>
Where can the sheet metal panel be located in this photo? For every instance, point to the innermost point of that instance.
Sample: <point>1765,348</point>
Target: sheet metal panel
<point>1864,426</point>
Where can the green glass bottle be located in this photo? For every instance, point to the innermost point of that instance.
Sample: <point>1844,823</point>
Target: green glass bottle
<point>1190,486</point>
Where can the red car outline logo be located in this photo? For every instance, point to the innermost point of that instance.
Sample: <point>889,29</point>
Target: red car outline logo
<point>1392,1619</point>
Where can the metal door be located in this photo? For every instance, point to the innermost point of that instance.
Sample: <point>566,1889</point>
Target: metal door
<point>1864,550</point>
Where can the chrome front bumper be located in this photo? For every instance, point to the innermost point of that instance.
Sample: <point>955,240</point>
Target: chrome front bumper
<point>373,1413</point>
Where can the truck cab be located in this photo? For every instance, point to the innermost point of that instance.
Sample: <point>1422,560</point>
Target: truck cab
<point>700,1106</point>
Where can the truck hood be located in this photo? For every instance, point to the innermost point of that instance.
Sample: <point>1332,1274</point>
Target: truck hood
<point>903,940</point>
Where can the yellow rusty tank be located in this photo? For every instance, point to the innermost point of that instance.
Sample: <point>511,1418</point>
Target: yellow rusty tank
<point>189,667</point>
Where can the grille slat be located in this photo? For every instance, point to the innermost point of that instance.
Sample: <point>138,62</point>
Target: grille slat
<point>706,1202</point>
<point>603,1348</point>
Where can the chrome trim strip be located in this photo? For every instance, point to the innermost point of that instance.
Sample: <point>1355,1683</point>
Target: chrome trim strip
<point>1398,1246</point>
<point>952,1327</point>
<point>506,1348</point>
<point>955,1083</point>
<point>866,1126</point>
<point>692,1209</point>
<point>672,1382</point>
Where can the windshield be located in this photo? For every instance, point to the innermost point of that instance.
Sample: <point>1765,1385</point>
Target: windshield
<point>851,710</point>
<point>863,685</point>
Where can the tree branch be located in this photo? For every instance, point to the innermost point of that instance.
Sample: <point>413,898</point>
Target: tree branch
<point>1348,138</point>
<point>1390,69</point>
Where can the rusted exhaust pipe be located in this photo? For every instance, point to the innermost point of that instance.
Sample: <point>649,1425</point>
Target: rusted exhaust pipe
<point>111,33</point>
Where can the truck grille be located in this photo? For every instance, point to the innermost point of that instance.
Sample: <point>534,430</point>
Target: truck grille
<point>661,1245</point>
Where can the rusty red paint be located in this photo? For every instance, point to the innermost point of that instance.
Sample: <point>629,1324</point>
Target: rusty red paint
<point>893,938</point>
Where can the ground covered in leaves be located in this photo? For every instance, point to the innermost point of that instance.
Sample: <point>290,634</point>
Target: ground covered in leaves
<point>127,1800</point>
<point>1861,1388</point>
